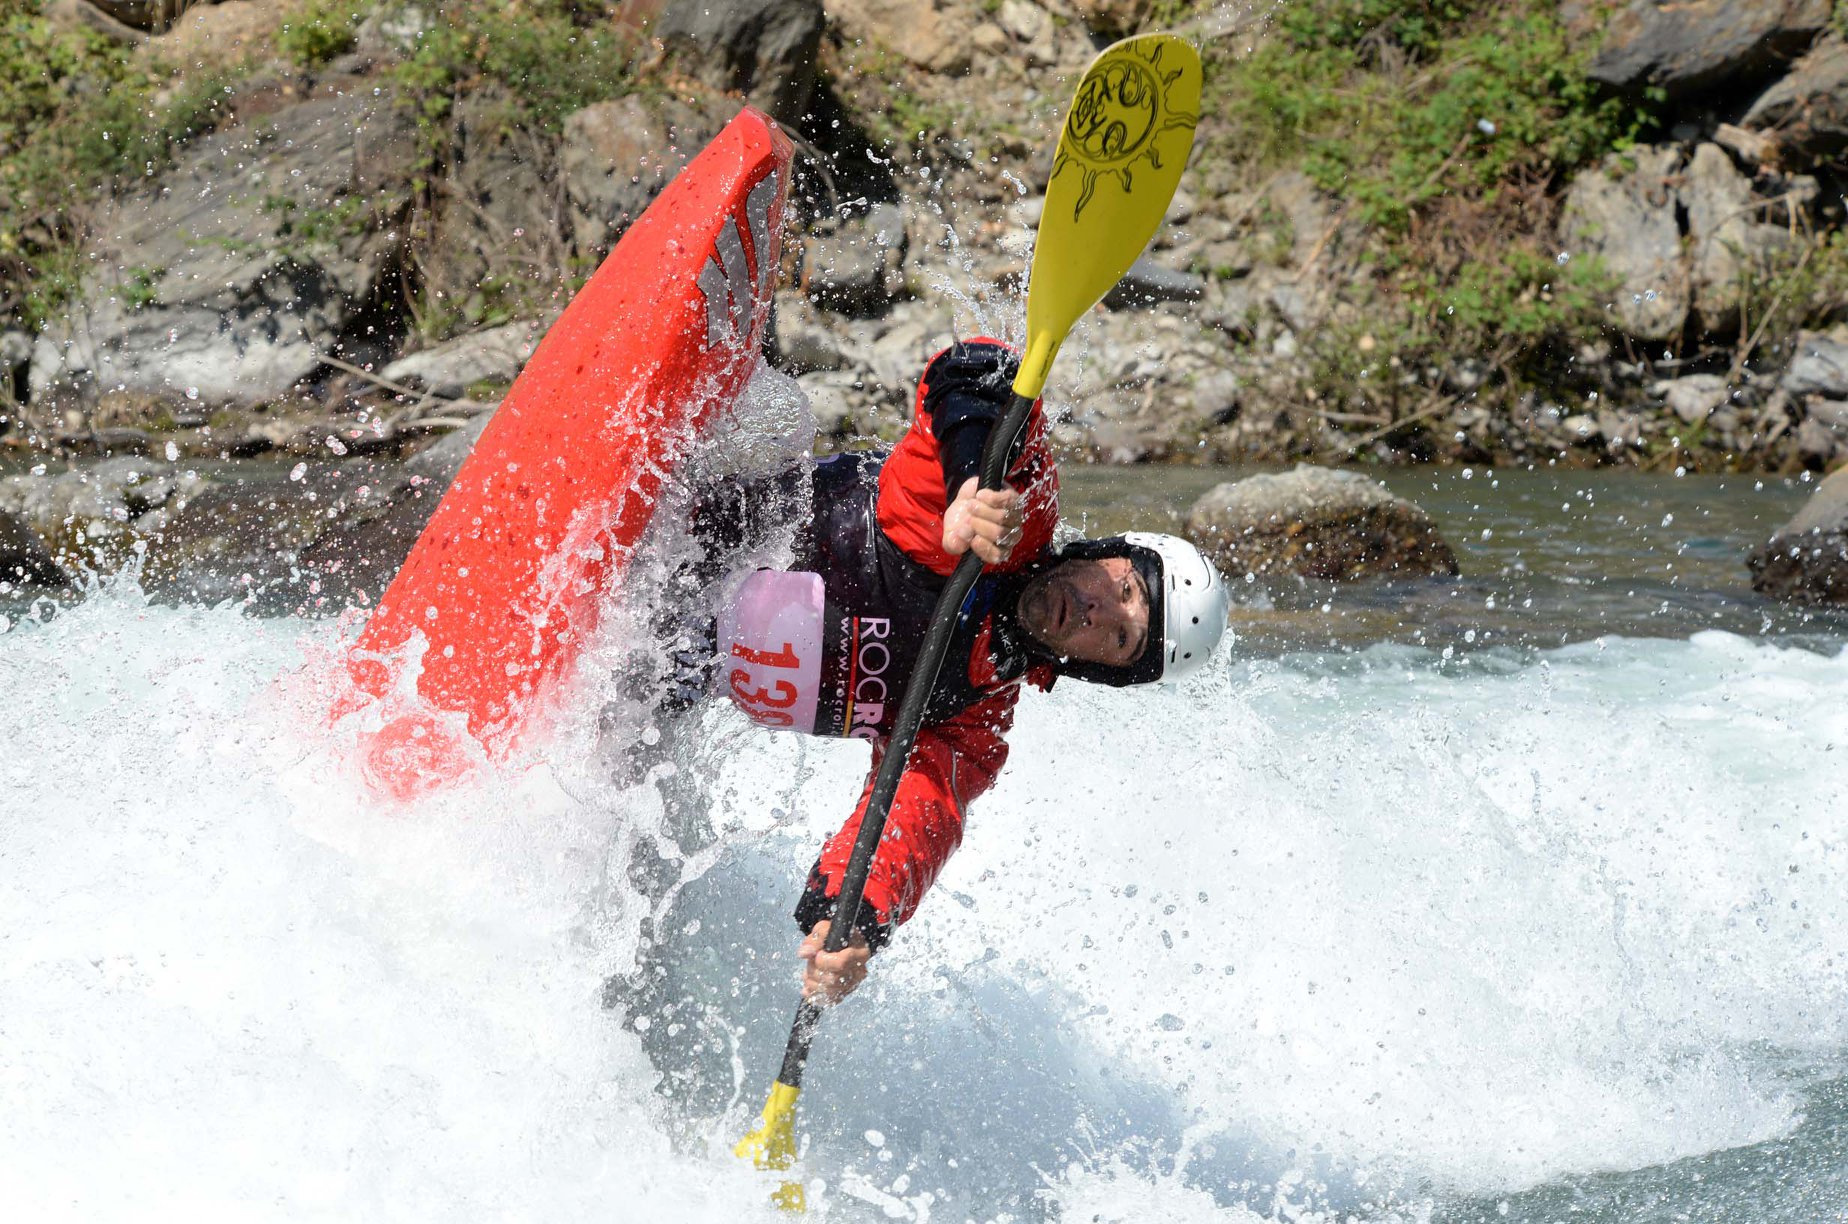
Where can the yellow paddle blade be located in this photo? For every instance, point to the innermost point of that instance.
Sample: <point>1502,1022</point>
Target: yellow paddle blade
<point>1120,157</point>
<point>773,1145</point>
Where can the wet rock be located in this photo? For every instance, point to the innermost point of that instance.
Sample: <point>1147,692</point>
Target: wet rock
<point>763,49</point>
<point>1695,397</point>
<point>1806,561</point>
<point>1726,238</point>
<point>857,268</point>
<point>227,287</point>
<point>616,157</point>
<point>352,562</point>
<point>1808,109</point>
<point>1317,523</point>
<point>1684,46</point>
<point>248,540</point>
<point>937,38</point>
<point>450,369</point>
<point>1147,283</point>
<point>24,560</point>
<point>1819,365</point>
<point>1624,211</point>
<point>93,506</point>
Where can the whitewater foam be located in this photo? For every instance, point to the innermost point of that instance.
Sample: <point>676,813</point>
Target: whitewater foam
<point>1336,934</point>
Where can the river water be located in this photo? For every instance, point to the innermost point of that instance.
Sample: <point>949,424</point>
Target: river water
<point>1510,898</point>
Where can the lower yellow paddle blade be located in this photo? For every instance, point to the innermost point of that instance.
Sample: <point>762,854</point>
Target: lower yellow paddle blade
<point>1120,157</point>
<point>773,1145</point>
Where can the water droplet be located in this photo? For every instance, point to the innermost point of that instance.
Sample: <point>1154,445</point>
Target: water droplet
<point>298,471</point>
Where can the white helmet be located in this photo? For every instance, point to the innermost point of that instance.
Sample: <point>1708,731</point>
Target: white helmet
<point>1188,602</point>
<point>1193,603</point>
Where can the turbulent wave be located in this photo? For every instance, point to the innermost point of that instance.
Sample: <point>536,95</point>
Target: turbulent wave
<point>1327,936</point>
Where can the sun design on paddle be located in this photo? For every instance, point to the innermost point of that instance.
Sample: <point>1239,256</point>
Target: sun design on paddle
<point>1118,116</point>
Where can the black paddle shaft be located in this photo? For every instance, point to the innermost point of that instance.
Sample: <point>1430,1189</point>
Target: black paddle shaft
<point>904,734</point>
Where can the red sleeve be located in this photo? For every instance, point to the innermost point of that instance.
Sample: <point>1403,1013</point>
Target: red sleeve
<point>911,501</point>
<point>951,763</point>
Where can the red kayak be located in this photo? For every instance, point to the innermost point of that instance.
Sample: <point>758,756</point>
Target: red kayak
<point>501,590</point>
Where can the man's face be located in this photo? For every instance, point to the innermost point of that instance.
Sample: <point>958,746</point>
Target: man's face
<point>1093,610</point>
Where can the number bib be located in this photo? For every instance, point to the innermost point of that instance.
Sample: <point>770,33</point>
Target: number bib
<point>770,648</point>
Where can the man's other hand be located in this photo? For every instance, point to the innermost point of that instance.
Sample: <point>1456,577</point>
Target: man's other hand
<point>986,520</point>
<point>834,975</point>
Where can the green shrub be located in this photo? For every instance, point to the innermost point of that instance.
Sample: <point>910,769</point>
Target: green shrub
<point>319,30</point>
<point>548,63</point>
<point>1465,102</point>
<point>1442,131</point>
<point>79,118</point>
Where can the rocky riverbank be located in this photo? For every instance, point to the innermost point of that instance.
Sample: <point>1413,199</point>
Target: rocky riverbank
<point>1588,234</point>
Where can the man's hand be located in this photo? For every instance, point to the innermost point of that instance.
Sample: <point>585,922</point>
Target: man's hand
<point>834,975</point>
<point>987,520</point>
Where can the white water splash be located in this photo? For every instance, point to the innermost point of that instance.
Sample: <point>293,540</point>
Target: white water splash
<point>1335,934</point>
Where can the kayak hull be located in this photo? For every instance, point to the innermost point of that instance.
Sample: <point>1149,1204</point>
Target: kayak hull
<point>502,589</point>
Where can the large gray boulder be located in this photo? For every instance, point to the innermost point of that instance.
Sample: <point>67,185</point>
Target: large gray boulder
<point>1806,561</point>
<point>1685,46</point>
<point>227,279</point>
<point>618,156</point>
<point>451,368</point>
<point>762,49</point>
<point>1624,211</point>
<point>301,542</point>
<point>1317,523</point>
<point>1808,108</point>
<point>96,506</point>
<point>1819,364</point>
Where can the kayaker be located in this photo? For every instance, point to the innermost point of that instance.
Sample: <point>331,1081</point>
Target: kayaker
<point>827,647</point>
